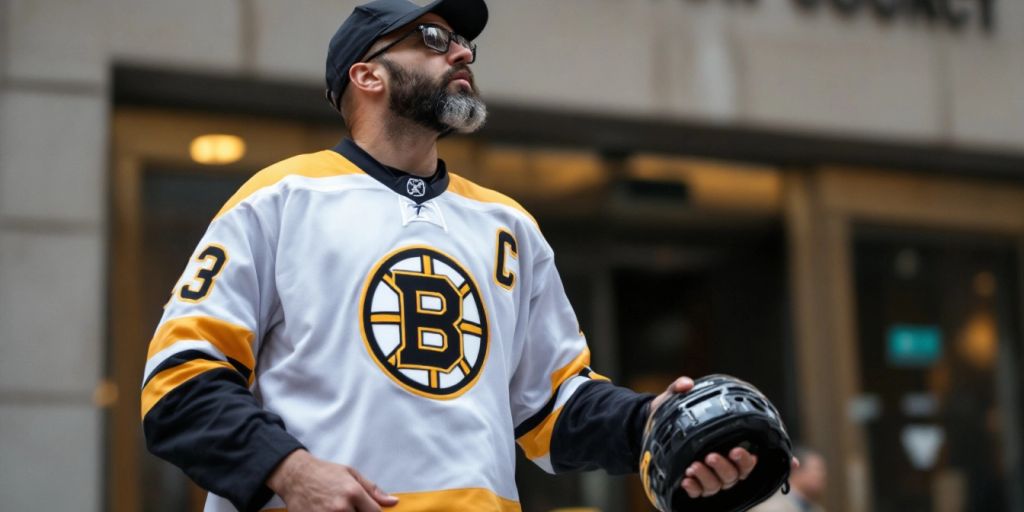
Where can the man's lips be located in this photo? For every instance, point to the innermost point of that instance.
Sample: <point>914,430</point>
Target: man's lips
<point>464,76</point>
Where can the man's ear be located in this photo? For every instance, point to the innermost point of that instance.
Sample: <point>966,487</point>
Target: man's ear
<point>366,76</point>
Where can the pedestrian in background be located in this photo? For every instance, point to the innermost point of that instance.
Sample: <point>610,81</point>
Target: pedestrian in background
<point>806,486</point>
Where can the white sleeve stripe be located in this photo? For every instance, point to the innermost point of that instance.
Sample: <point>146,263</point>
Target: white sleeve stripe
<point>562,395</point>
<point>203,346</point>
<point>544,462</point>
<point>567,389</point>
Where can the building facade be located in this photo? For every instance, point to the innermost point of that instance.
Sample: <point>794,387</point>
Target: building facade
<point>823,196</point>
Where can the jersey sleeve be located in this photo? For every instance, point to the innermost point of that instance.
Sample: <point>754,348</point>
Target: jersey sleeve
<point>198,411</point>
<point>601,427</point>
<point>569,417</point>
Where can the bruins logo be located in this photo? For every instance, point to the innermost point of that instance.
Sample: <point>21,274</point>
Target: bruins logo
<point>424,322</point>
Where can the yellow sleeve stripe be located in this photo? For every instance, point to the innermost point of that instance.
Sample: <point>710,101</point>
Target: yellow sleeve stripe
<point>574,367</point>
<point>537,442</point>
<point>322,164</point>
<point>169,379</point>
<point>232,340</point>
<point>470,190</point>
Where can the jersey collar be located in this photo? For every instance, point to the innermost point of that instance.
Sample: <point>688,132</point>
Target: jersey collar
<point>415,188</point>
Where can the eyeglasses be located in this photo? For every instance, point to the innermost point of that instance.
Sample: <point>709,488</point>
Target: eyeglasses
<point>435,37</point>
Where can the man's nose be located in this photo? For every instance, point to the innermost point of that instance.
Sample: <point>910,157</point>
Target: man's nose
<point>458,54</point>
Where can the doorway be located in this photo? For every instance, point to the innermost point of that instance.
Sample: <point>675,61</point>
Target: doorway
<point>661,256</point>
<point>939,355</point>
<point>161,203</point>
<point>907,320</point>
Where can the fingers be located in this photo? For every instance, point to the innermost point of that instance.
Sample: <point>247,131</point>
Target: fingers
<point>727,473</point>
<point>376,493</point>
<point>358,495</point>
<point>692,487</point>
<point>718,473</point>
<point>743,460</point>
<point>794,464</point>
<point>709,483</point>
<point>362,502</point>
<point>306,483</point>
<point>681,385</point>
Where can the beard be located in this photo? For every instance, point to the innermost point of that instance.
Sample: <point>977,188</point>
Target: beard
<point>429,103</point>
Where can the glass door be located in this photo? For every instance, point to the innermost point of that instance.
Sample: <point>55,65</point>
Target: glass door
<point>940,368</point>
<point>907,321</point>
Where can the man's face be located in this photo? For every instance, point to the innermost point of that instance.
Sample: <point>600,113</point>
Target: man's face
<point>434,90</point>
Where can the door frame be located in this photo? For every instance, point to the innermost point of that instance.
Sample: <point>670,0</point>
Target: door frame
<point>822,207</point>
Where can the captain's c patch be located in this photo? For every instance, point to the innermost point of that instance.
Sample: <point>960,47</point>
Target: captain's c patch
<point>424,322</point>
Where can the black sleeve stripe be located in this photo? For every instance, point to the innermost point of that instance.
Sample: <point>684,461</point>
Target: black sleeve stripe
<point>190,355</point>
<point>538,417</point>
<point>216,432</point>
<point>241,368</point>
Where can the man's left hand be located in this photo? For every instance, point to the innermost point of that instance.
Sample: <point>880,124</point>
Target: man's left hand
<point>716,472</point>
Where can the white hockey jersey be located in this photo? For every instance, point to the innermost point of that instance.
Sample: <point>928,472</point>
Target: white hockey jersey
<point>412,329</point>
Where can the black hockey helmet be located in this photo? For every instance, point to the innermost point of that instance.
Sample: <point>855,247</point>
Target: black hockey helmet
<point>720,412</point>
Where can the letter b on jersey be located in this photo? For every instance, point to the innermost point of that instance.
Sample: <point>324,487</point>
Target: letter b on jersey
<point>424,322</point>
<point>431,309</point>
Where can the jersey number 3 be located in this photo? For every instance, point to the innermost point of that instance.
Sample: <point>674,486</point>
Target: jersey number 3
<point>213,258</point>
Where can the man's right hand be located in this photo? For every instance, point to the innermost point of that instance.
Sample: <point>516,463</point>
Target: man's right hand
<point>308,484</point>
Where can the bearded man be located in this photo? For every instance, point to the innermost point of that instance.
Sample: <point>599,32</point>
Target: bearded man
<point>360,318</point>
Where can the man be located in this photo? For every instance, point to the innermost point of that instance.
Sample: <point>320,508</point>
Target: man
<point>361,319</point>
<point>806,486</point>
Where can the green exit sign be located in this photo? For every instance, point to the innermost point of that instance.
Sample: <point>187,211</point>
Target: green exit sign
<point>914,345</point>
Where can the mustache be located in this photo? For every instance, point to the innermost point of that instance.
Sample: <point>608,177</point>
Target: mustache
<point>461,68</point>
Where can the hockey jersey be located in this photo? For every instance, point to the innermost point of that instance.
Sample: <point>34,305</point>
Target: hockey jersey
<point>414,329</point>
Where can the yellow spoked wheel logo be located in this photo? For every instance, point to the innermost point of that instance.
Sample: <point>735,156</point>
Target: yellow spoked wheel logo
<point>424,322</point>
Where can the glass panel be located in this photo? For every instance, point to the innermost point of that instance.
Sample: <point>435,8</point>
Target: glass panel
<point>937,325</point>
<point>722,313</point>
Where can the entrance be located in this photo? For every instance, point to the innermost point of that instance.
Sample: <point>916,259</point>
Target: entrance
<point>908,337</point>
<point>162,202</point>
<point>674,267</point>
<point>939,356</point>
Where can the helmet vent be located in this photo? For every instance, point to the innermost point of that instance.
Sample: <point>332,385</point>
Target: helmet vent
<point>701,398</point>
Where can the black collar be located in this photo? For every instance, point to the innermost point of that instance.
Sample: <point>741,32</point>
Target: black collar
<point>415,188</point>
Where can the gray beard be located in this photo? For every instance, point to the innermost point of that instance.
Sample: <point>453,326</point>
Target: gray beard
<point>429,104</point>
<point>462,112</point>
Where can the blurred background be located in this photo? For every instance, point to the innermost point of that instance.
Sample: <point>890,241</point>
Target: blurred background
<point>823,197</point>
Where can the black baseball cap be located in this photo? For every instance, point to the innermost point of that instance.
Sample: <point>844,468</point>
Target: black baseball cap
<point>369,22</point>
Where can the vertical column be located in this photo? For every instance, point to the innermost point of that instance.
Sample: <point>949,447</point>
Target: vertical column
<point>825,343</point>
<point>53,127</point>
<point>599,489</point>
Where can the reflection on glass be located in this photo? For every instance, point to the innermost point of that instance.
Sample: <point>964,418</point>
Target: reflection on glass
<point>931,320</point>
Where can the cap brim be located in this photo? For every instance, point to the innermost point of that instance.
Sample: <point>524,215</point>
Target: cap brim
<point>466,17</point>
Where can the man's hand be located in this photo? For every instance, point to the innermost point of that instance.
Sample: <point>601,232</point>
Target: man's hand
<point>308,484</point>
<point>716,472</point>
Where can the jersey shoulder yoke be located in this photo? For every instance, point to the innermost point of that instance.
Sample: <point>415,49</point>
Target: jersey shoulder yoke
<point>465,188</point>
<point>322,164</point>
